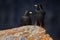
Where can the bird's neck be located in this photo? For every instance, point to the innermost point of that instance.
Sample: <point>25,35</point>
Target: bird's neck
<point>38,9</point>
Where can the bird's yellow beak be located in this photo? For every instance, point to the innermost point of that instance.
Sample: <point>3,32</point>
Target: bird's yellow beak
<point>35,5</point>
<point>30,12</point>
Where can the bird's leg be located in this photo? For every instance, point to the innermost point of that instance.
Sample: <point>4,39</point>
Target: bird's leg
<point>41,24</point>
<point>35,23</point>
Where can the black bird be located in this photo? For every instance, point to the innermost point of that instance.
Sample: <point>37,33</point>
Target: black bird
<point>26,19</point>
<point>39,15</point>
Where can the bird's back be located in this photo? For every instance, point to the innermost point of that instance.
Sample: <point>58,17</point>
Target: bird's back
<point>25,20</point>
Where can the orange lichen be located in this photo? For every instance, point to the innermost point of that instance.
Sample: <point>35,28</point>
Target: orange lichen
<point>10,32</point>
<point>30,38</point>
<point>44,37</point>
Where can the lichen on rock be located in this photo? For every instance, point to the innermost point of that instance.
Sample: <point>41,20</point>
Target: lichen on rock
<point>29,32</point>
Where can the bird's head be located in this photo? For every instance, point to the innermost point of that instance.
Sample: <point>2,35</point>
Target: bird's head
<point>38,6</point>
<point>27,12</point>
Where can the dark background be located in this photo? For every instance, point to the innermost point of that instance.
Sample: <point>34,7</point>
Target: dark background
<point>12,10</point>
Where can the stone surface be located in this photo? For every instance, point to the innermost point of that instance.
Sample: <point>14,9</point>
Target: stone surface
<point>29,32</point>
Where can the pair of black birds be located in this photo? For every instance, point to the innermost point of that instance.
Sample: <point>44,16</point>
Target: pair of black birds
<point>39,16</point>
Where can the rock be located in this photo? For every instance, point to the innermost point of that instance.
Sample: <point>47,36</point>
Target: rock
<point>29,32</point>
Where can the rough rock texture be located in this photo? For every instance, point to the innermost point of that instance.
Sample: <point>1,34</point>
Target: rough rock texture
<point>29,32</point>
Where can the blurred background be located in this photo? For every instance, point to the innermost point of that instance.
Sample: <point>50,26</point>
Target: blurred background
<point>11,12</point>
